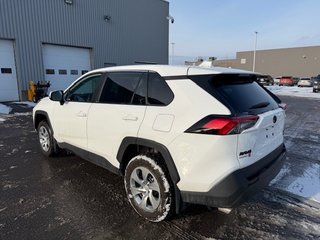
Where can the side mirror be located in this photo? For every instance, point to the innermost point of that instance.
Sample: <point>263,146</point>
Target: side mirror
<point>57,96</point>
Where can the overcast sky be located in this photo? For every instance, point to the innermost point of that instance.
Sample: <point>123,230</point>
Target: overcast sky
<point>223,27</point>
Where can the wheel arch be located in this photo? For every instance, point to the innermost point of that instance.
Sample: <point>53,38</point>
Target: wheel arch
<point>40,116</point>
<point>132,146</point>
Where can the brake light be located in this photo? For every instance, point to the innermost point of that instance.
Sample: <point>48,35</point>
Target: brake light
<point>223,125</point>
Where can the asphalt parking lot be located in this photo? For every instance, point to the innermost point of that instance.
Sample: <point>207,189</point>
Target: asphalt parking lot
<point>69,198</point>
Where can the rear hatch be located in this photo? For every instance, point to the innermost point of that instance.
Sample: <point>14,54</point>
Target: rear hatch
<point>246,99</point>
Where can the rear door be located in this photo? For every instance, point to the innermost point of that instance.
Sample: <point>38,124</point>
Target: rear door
<point>118,114</point>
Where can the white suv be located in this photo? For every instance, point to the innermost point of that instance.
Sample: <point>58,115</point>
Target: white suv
<point>176,134</point>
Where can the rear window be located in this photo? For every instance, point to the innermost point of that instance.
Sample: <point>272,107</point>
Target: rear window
<point>239,92</point>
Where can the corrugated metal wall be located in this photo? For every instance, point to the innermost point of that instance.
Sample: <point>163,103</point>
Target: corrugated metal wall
<point>137,31</point>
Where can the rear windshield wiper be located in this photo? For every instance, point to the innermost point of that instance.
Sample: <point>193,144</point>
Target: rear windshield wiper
<point>260,105</point>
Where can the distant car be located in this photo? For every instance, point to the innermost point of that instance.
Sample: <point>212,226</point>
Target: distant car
<point>276,80</point>
<point>295,80</point>
<point>286,81</point>
<point>305,82</point>
<point>316,84</point>
<point>265,80</point>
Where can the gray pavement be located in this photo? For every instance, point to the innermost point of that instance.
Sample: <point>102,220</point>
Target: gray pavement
<point>69,198</point>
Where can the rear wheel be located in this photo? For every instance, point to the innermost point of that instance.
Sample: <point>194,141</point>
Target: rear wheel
<point>148,188</point>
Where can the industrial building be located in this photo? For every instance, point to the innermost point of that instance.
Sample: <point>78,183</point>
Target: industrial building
<point>296,62</point>
<point>59,40</point>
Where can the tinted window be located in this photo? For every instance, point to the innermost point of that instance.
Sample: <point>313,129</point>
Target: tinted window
<point>84,90</point>
<point>120,88</point>
<point>159,92</point>
<point>140,95</point>
<point>241,93</point>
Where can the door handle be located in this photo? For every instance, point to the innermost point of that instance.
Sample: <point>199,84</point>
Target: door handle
<point>130,118</point>
<point>81,114</point>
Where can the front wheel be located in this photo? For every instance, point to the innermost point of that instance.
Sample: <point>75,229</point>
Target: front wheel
<point>46,140</point>
<point>148,189</point>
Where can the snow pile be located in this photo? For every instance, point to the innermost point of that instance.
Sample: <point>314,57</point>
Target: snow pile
<point>29,104</point>
<point>4,109</point>
<point>294,91</point>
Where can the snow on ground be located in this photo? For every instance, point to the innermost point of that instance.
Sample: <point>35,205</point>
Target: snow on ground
<point>294,91</point>
<point>305,184</point>
<point>308,184</point>
<point>4,109</point>
<point>29,104</point>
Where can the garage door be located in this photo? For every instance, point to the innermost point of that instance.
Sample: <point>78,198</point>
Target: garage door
<point>63,65</point>
<point>8,75</point>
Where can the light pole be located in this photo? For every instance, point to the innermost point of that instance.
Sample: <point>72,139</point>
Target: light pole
<point>172,52</point>
<point>254,51</point>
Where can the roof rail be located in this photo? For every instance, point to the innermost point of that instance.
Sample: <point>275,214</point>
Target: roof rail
<point>145,62</point>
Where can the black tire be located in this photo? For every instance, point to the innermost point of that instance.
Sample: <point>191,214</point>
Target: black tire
<point>46,141</point>
<point>142,176</point>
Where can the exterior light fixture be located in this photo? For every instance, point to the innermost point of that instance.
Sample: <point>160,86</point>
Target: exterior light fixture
<point>170,18</point>
<point>107,18</point>
<point>68,2</point>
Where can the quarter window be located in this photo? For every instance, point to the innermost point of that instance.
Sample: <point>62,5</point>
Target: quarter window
<point>85,89</point>
<point>159,92</point>
<point>124,88</point>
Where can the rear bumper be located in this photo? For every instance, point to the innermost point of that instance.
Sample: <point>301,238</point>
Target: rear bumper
<point>240,184</point>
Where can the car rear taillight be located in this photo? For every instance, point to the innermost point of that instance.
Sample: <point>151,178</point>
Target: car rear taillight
<point>217,125</point>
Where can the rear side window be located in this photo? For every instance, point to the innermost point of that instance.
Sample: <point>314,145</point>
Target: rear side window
<point>240,92</point>
<point>120,88</point>
<point>159,93</point>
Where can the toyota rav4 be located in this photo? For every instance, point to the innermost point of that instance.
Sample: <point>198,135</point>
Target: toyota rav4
<point>176,134</point>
